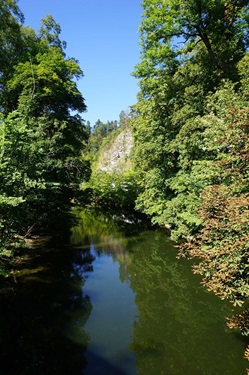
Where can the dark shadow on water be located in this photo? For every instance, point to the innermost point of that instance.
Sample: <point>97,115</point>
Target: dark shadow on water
<point>100,366</point>
<point>43,313</point>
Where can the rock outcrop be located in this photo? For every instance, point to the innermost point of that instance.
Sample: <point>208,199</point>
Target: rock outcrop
<point>115,156</point>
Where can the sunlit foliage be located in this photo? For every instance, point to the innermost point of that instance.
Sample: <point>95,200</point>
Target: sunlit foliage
<point>41,141</point>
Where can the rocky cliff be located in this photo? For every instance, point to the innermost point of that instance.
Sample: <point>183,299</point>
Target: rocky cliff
<point>115,156</point>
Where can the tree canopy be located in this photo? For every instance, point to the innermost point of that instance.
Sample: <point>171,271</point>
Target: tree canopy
<point>42,136</point>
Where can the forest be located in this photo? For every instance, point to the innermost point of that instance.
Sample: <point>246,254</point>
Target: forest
<point>190,127</point>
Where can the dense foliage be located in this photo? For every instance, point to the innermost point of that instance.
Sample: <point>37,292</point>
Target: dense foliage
<point>113,186</point>
<point>99,132</point>
<point>177,72</point>
<point>41,141</point>
<point>104,132</point>
<point>113,192</point>
<point>191,135</point>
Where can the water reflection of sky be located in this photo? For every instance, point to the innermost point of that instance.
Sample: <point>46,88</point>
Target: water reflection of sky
<point>111,320</point>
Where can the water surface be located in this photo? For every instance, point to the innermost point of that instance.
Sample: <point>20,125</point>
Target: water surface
<point>114,304</point>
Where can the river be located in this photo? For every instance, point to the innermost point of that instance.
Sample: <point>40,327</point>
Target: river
<point>114,302</point>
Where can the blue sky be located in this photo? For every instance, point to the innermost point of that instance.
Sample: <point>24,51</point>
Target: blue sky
<point>103,36</point>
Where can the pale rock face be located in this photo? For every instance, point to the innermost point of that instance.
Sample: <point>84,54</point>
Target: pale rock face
<point>115,157</point>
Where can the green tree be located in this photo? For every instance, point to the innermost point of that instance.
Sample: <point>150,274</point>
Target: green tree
<point>114,192</point>
<point>41,163</point>
<point>11,48</point>
<point>187,50</point>
<point>124,118</point>
<point>100,132</point>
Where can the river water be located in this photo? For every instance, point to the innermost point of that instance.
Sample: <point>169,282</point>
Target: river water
<point>114,302</point>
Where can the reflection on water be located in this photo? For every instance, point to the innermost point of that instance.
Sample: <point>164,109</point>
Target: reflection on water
<point>179,327</point>
<point>115,303</point>
<point>36,312</point>
<point>110,323</point>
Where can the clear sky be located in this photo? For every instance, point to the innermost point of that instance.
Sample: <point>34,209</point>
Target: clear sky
<point>103,36</point>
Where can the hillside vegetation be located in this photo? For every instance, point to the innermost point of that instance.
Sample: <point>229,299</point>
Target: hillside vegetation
<point>114,183</point>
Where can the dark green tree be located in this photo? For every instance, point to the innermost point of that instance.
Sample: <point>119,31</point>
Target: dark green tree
<point>41,163</point>
<point>99,132</point>
<point>11,49</point>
